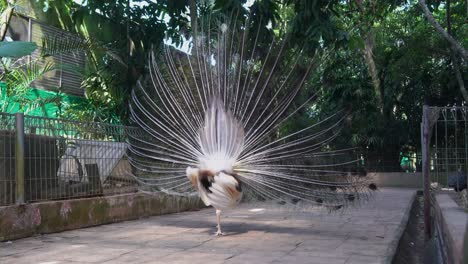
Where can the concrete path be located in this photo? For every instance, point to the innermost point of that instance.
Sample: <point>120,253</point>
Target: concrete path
<point>260,233</point>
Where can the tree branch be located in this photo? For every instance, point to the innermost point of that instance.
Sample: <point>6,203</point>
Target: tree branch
<point>455,65</point>
<point>458,75</point>
<point>455,45</point>
<point>5,21</point>
<point>193,16</point>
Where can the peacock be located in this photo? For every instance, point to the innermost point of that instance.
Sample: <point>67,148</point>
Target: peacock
<point>217,118</point>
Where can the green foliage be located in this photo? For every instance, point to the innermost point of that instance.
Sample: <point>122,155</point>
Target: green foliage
<point>412,61</point>
<point>116,39</point>
<point>20,78</point>
<point>414,68</point>
<point>104,99</point>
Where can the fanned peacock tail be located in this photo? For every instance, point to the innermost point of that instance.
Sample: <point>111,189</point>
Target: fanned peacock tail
<point>224,106</point>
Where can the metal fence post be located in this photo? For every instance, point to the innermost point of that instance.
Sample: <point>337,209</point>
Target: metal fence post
<point>19,157</point>
<point>465,246</point>
<point>425,138</point>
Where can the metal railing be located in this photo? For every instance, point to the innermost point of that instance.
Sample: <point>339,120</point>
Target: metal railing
<point>8,191</point>
<point>46,159</point>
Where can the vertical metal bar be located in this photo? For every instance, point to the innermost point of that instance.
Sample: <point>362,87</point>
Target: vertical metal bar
<point>466,146</point>
<point>33,164</point>
<point>425,131</point>
<point>29,36</point>
<point>454,114</point>
<point>447,159</point>
<point>61,72</point>
<point>465,247</point>
<point>19,157</point>
<point>437,154</point>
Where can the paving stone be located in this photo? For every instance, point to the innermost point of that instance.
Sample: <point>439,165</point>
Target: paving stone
<point>256,233</point>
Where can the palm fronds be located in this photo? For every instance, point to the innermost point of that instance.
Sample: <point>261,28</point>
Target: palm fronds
<point>20,78</point>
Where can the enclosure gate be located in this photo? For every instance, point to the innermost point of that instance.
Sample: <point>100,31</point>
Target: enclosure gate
<point>444,142</point>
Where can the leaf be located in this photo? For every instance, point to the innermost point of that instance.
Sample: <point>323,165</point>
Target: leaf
<point>356,42</point>
<point>15,49</point>
<point>116,57</point>
<point>19,79</point>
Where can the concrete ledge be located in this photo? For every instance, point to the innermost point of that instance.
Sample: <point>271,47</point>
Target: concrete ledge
<point>20,221</point>
<point>393,246</point>
<point>268,234</point>
<point>397,179</point>
<point>452,220</point>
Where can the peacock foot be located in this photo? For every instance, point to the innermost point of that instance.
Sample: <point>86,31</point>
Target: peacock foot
<point>219,233</point>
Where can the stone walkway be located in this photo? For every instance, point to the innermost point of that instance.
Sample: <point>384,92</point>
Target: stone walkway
<point>261,233</point>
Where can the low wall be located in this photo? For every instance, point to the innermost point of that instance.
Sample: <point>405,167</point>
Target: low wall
<point>397,179</point>
<point>451,223</point>
<point>18,221</point>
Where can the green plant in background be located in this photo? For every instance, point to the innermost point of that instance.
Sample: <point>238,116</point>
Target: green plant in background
<point>102,79</point>
<point>18,71</point>
<point>384,60</point>
<point>103,100</point>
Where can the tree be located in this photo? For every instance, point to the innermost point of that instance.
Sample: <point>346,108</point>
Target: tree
<point>415,68</point>
<point>381,60</point>
<point>454,43</point>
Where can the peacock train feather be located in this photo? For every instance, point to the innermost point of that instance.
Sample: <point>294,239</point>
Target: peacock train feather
<point>216,122</point>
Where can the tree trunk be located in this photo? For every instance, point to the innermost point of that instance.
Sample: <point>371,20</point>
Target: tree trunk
<point>368,55</point>
<point>369,58</point>
<point>193,16</point>
<point>455,45</point>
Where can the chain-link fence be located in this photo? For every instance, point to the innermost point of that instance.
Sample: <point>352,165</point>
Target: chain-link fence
<point>46,159</point>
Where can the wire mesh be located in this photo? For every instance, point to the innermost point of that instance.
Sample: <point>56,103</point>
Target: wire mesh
<point>66,159</point>
<point>7,161</point>
<point>449,147</point>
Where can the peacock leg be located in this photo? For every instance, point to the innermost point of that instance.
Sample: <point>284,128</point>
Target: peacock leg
<point>218,220</point>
